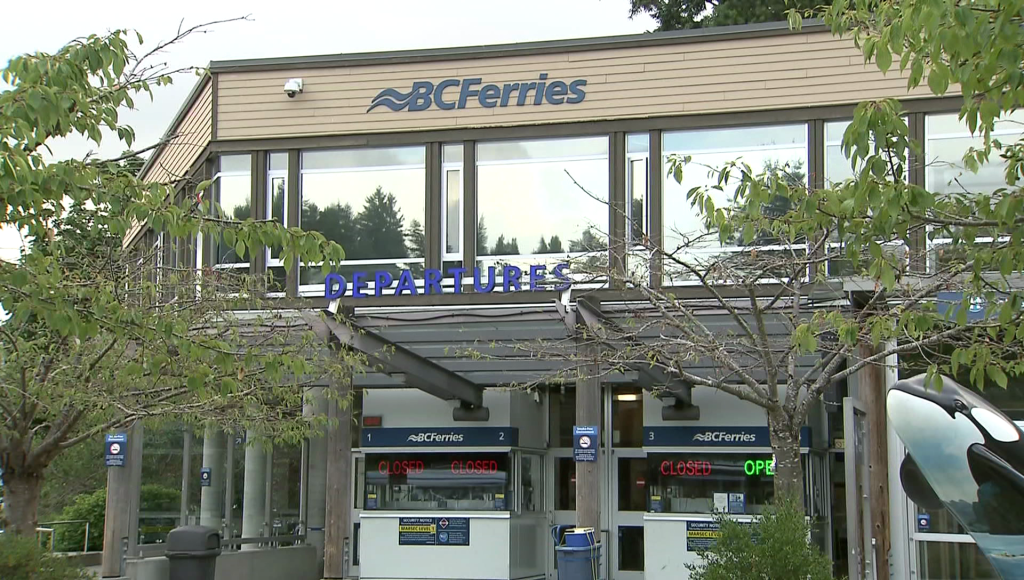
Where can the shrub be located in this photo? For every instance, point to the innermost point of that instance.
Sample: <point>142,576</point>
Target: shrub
<point>92,506</point>
<point>773,547</point>
<point>22,559</point>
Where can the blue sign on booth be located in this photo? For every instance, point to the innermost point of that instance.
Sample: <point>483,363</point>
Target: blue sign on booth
<point>116,444</point>
<point>206,477</point>
<point>924,522</point>
<point>949,304</point>
<point>584,443</point>
<point>441,437</point>
<point>677,436</point>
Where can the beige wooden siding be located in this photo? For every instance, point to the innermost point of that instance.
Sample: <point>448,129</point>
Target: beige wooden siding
<point>187,140</point>
<point>791,70</point>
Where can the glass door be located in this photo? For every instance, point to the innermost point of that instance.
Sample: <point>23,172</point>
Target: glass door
<point>627,506</point>
<point>626,482</point>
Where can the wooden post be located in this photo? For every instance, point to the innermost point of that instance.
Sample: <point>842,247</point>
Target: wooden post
<point>339,464</point>
<point>122,506</point>
<point>588,412</point>
<point>871,381</point>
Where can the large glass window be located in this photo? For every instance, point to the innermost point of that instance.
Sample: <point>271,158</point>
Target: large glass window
<point>628,417</point>
<point>540,202</point>
<point>638,147</point>
<point>699,483</point>
<point>372,203</point>
<point>531,478</point>
<point>946,141</point>
<point>952,561</point>
<point>782,147</point>
<point>439,481</point>
<point>232,200</point>
<point>565,483</point>
<point>562,417</point>
<point>277,196</point>
<point>284,491</point>
<point>451,170</point>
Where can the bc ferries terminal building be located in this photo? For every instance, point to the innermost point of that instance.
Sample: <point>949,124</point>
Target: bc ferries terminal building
<point>452,177</point>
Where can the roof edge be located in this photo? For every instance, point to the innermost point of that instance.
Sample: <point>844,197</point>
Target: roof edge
<point>538,47</point>
<point>177,119</point>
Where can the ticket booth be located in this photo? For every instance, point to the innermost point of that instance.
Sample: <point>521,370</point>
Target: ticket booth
<point>455,500</point>
<point>688,483</point>
<point>722,462</point>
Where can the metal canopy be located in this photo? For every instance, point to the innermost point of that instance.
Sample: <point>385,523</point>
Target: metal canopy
<point>650,377</point>
<point>419,372</point>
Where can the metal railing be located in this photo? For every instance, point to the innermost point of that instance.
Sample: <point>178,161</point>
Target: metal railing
<point>157,550</point>
<point>50,528</point>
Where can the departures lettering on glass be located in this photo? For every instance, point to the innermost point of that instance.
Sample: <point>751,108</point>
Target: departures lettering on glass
<point>513,278</point>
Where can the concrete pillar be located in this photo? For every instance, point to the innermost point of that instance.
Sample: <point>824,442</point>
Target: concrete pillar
<point>316,474</point>
<point>121,523</point>
<point>254,491</point>
<point>211,499</point>
<point>186,469</point>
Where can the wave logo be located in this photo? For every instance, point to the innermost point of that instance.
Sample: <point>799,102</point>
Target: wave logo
<point>723,437</point>
<point>433,437</point>
<point>460,92</point>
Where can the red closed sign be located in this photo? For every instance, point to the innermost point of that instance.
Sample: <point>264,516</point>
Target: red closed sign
<point>686,468</point>
<point>404,467</point>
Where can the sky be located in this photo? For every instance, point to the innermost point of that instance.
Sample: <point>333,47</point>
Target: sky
<point>291,29</point>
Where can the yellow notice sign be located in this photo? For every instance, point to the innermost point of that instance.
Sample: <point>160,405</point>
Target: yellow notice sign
<point>421,529</point>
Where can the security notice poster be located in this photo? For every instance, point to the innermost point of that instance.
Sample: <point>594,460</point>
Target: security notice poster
<point>433,531</point>
<point>702,536</point>
<point>417,532</point>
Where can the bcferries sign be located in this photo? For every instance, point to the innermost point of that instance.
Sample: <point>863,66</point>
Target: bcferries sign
<point>451,94</point>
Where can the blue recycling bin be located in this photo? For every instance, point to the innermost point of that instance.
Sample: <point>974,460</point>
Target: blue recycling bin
<point>578,553</point>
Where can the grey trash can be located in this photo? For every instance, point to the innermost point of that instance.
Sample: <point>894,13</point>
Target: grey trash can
<point>192,552</point>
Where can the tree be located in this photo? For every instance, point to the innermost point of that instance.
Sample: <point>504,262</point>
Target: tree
<point>101,336</point>
<point>555,245</point>
<point>683,14</point>
<point>503,248</point>
<point>337,223</point>
<point>481,238</point>
<point>542,247</point>
<point>92,508</point>
<point>414,235</point>
<point>380,227</point>
<point>774,545</point>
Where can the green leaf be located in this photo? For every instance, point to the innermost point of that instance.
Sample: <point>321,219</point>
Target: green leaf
<point>883,58</point>
<point>996,374</point>
<point>938,79</point>
<point>203,185</point>
<point>195,383</point>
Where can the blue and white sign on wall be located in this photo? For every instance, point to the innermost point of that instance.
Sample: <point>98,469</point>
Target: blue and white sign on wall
<point>924,522</point>
<point>206,477</point>
<point>116,445</point>
<point>678,436</point>
<point>451,94</point>
<point>584,443</point>
<point>441,437</point>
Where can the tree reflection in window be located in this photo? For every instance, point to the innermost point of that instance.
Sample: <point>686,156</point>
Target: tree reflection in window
<point>369,201</point>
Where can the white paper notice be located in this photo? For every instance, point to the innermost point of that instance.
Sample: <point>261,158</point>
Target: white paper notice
<point>722,502</point>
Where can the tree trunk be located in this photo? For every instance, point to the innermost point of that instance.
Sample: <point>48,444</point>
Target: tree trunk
<point>21,500</point>
<point>789,473</point>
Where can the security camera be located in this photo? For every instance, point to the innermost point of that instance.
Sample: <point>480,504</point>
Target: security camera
<point>292,87</point>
